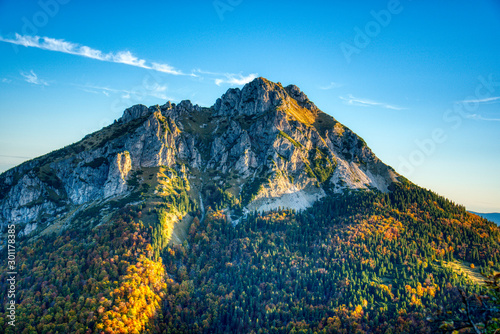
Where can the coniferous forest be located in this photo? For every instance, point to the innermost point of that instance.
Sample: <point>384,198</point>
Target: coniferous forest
<point>358,262</point>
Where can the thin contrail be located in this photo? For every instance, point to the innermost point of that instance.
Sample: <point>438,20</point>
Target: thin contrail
<point>14,156</point>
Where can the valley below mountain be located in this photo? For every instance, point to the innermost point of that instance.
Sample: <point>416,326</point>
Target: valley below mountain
<point>260,214</point>
<point>494,216</point>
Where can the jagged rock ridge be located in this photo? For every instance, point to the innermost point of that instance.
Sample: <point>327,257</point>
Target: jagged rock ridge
<point>265,145</point>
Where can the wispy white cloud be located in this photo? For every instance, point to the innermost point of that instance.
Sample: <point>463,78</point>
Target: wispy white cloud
<point>5,80</point>
<point>351,100</point>
<point>121,57</point>
<point>228,78</point>
<point>154,90</point>
<point>485,100</point>
<point>33,78</point>
<point>157,90</point>
<point>127,58</point>
<point>482,118</point>
<point>15,156</point>
<point>166,69</point>
<point>332,85</point>
<point>235,79</point>
<point>208,72</point>
<point>60,45</point>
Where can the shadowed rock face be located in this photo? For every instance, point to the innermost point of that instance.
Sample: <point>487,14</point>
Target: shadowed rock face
<point>268,145</point>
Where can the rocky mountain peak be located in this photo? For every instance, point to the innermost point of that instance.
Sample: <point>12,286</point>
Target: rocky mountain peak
<point>134,112</point>
<point>168,109</point>
<point>300,97</point>
<point>261,95</point>
<point>264,146</point>
<point>256,97</point>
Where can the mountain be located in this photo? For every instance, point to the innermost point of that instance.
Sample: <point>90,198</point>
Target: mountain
<point>258,214</point>
<point>266,146</point>
<point>494,217</point>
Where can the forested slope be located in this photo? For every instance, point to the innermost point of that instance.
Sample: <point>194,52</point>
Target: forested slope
<point>363,261</point>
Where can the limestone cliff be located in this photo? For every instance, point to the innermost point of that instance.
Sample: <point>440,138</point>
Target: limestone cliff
<point>264,145</point>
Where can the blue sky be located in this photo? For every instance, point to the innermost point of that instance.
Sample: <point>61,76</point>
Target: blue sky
<point>418,80</point>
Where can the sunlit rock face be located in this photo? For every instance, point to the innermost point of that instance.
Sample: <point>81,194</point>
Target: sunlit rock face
<point>268,145</point>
